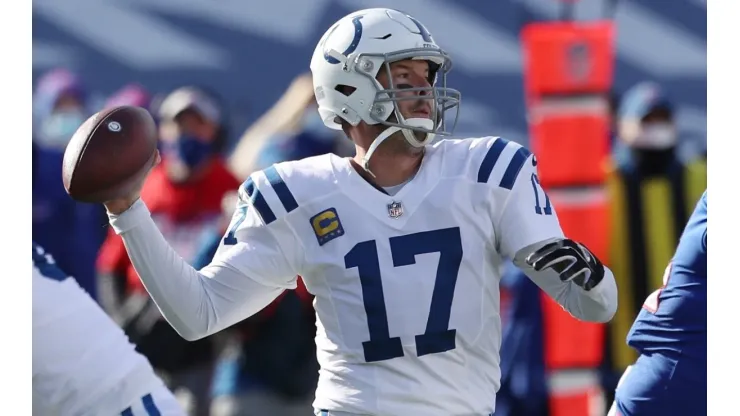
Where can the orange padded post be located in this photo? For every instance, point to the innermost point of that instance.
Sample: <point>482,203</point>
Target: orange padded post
<point>584,216</point>
<point>568,78</point>
<point>587,401</point>
<point>568,57</point>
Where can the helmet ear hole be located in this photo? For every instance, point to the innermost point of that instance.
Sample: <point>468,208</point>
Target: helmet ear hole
<point>346,90</point>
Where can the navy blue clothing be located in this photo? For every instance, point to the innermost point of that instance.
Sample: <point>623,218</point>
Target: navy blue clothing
<point>670,333</point>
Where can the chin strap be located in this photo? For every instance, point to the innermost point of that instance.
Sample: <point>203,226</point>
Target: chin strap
<point>408,134</point>
<point>374,145</point>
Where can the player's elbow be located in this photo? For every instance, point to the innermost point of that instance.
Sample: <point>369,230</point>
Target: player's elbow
<point>606,299</point>
<point>190,335</point>
<point>605,314</point>
<point>196,323</point>
<point>595,313</point>
<point>612,302</point>
<point>186,331</point>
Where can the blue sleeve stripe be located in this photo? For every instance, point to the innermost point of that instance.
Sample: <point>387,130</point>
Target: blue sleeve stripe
<point>486,167</point>
<point>258,201</point>
<point>515,166</point>
<point>281,189</point>
<point>149,406</point>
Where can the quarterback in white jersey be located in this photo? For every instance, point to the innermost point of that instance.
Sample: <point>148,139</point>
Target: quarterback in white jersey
<point>401,244</point>
<point>83,364</point>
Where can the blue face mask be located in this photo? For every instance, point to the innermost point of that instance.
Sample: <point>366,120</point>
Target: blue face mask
<point>190,150</point>
<point>58,128</point>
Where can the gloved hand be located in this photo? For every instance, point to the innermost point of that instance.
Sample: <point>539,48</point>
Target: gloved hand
<point>571,260</point>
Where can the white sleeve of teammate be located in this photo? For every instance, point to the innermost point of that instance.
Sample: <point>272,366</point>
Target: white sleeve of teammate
<point>527,222</point>
<point>243,278</point>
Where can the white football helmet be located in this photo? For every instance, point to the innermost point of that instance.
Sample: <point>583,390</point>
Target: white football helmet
<point>352,53</point>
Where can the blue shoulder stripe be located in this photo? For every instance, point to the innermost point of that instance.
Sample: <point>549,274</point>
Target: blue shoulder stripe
<point>258,201</point>
<point>489,161</point>
<point>515,166</point>
<point>281,189</point>
<point>512,169</point>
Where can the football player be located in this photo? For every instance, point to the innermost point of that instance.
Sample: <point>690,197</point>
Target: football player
<point>670,333</point>
<point>83,364</point>
<point>400,244</point>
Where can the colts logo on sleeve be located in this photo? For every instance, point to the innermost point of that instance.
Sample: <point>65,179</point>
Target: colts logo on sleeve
<point>327,226</point>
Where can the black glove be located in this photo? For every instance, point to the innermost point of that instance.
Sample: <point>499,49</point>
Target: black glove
<point>571,260</point>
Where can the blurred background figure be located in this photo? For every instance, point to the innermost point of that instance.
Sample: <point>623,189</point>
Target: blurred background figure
<point>72,232</point>
<point>130,94</point>
<point>184,194</point>
<point>59,108</point>
<point>291,129</point>
<point>270,367</point>
<point>653,187</point>
<point>310,138</point>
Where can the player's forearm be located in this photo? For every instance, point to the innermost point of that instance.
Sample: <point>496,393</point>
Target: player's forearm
<point>596,305</point>
<point>196,304</point>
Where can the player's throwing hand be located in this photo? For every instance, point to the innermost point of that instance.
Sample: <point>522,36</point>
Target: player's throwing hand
<point>118,205</point>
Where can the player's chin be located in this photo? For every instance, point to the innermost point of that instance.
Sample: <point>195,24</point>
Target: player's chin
<point>420,136</point>
<point>400,139</point>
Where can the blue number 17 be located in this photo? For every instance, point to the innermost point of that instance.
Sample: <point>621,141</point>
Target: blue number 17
<point>437,337</point>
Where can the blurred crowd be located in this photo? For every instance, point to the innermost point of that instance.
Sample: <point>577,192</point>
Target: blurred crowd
<point>266,365</point>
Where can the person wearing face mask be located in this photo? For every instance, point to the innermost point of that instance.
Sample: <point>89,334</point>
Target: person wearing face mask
<point>653,187</point>
<point>185,192</point>
<point>71,231</point>
<point>59,103</point>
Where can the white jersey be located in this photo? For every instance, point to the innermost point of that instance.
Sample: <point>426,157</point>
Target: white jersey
<point>83,364</point>
<point>406,286</point>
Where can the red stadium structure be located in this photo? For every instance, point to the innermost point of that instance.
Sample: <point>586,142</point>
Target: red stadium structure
<point>569,70</point>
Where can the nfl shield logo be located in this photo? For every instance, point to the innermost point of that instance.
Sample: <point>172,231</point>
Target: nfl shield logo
<point>395,209</point>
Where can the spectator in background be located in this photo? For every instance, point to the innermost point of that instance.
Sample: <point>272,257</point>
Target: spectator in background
<point>652,189</point>
<point>184,194</point>
<point>276,135</point>
<point>311,139</point>
<point>72,232</point>
<point>59,108</point>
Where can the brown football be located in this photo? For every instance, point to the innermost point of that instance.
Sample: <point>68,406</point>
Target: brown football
<point>109,154</point>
